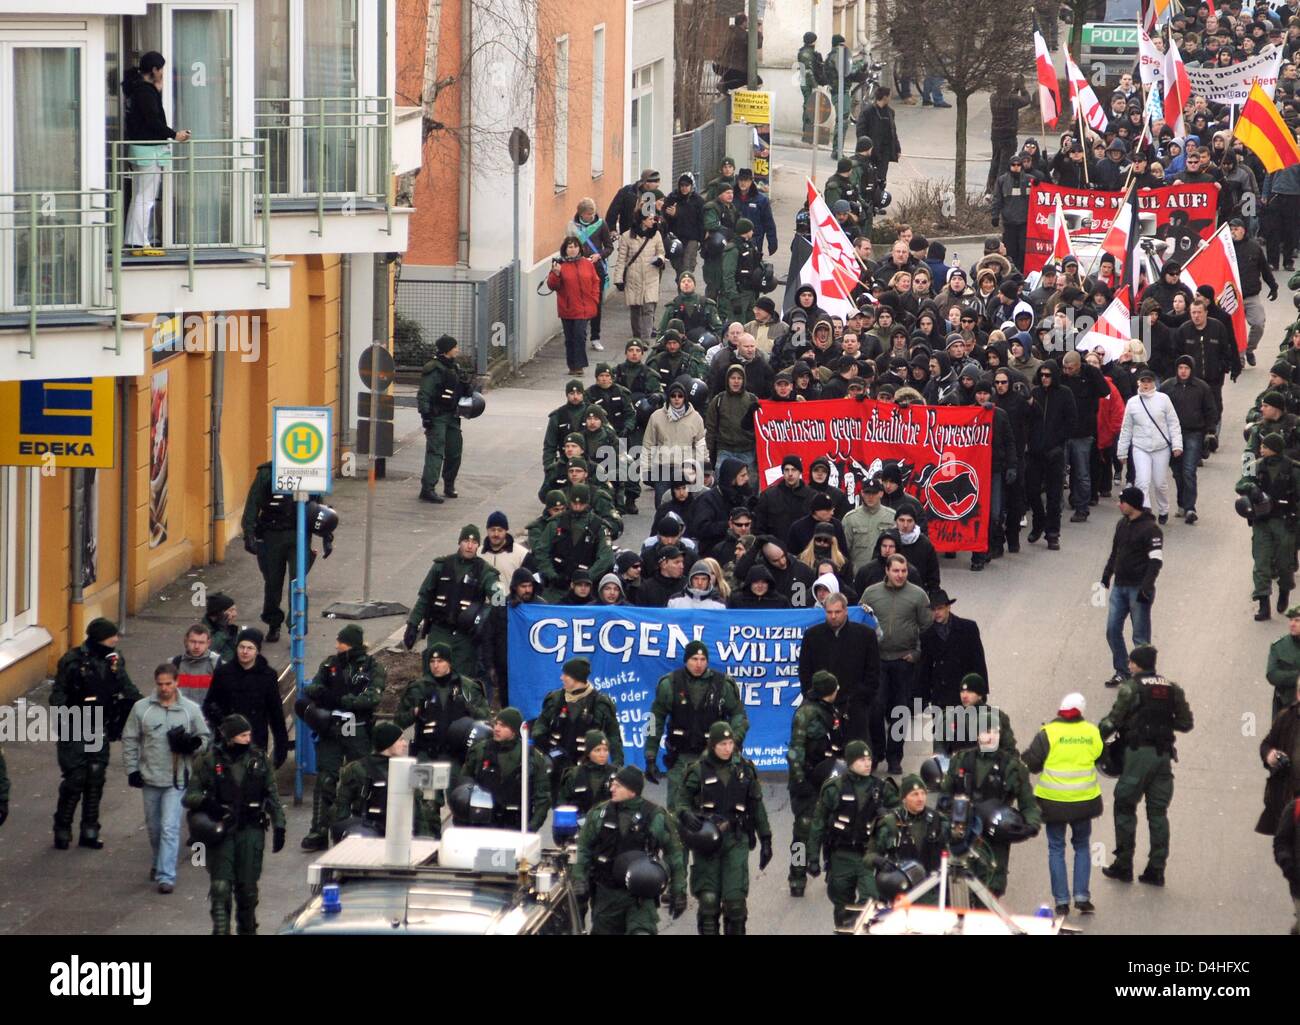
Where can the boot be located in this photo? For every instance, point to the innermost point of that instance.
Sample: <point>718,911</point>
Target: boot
<point>90,838</point>
<point>431,496</point>
<point>317,838</point>
<point>63,815</point>
<point>707,925</point>
<point>1013,543</point>
<point>273,634</point>
<point>1152,876</point>
<point>978,561</point>
<point>1121,872</point>
<point>734,926</point>
<point>797,887</point>
<point>449,489</point>
<point>219,908</point>
<point>246,915</point>
<point>1283,601</point>
<point>90,808</point>
<point>1263,612</point>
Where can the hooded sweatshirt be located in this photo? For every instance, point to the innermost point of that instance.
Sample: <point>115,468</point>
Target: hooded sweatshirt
<point>610,578</point>
<point>744,598</point>
<point>711,511</point>
<point>696,598</point>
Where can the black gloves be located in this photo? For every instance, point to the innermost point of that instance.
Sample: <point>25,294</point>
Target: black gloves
<point>764,853</point>
<point>277,839</point>
<point>214,809</point>
<point>658,261</point>
<point>677,905</point>
<point>281,755</point>
<point>814,868</point>
<point>690,821</point>
<point>134,779</point>
<point>619,285</point>
<point>250,545</point>
<point>181,742</point>
<point>1105,582</point>
<point>652,770</point>
<point>328,545</point>
<point>426,421</point>
<point>408,638</point>
<point>1272,294</point>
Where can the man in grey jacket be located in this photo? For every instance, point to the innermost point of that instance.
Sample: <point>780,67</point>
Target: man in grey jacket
<point>864,525</point>
<point>902,611</point>
<point>163,733</point>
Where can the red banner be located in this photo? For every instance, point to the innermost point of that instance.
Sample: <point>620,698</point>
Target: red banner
<point>943,455</point>
<point>1183,213</point>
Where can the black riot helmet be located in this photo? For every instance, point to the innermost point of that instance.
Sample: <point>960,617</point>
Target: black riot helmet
<point>470,804</point>
<point>640,874</point>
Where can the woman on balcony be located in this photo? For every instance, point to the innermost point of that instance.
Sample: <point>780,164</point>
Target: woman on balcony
<point>146,129</point>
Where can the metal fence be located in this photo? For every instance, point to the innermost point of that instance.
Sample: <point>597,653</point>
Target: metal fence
<point>699,152</point>
<point>473,306</point>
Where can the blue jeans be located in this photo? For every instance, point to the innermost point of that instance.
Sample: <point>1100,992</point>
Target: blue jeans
<point>1185,468</point>
<point>1079,454</point>
<point>162,817</point>
<point>1081,834</point>
<point>932,89</point>
<point>575,344</point>
<point>1123,603</point>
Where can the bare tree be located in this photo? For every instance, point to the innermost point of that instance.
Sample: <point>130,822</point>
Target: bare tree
<point>971,43</point>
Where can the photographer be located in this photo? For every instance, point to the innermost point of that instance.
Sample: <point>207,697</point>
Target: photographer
<point>1280,753</point>
<point>577,286</point>
<point>163,733</point>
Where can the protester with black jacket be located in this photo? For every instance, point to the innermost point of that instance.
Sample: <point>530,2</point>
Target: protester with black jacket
<point>849,651</point>
<point>1088,386</point>
<point>1016,406</point>
<point>712,510</point>
<point>248,686</point>
<point>1193,401</point>
<point>1051,421</point>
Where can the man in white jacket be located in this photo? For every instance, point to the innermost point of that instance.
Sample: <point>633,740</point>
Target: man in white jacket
<point>1152,434</point>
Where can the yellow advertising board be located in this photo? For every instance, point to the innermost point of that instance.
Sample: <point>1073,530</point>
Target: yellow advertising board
<point>64,423</point>
<point>751,108</point>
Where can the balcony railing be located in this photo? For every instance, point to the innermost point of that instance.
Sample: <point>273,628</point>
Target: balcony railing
<point>330,153</point>
<point>60,261</point>
<point>214,197</point>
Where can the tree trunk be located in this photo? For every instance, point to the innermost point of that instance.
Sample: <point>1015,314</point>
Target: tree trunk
<point>959,156</point>
<point>1080,12</point>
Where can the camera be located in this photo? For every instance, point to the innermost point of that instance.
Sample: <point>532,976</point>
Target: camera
<point>1283,764</point>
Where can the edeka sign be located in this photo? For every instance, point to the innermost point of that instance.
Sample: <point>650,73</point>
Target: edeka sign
<point>1184,215</point>
<point>631,648</point>
<point>66,423</point>
<point>943,455</point>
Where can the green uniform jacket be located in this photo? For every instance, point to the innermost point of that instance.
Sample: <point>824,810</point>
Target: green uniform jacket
<point>116,692</point>
<point>259,494</point>
<point>203,781</point>
<point>661,829</point>
<point>1125,708</point>
<point>688,797</point>
<point>567,419</point>
<point>626,414</point>
<point>546,543</point>
<point>661,710</point>
<point>598,778</point>
<point>604,717</point>
<point>687,307</point>
<point>1283,662</point>
<point>418,691</point>
<point>1287,425</point>
<point>669,367</point>
<point>361,701</point>
<point>539,775</point>
<point>814,72</point>
<point>440,376</point>
<point>490,578</point>
<point>1015,779</point>
<point>720,217</point>
<point>1279,478</point>
<point>354,781</point>
<point>535,528</point>
<point>637,379</point>
<point>835,187</point>
<point>711,190</point>
<point>890,826</point>
<point>829,799</point>
<point>812,720</point>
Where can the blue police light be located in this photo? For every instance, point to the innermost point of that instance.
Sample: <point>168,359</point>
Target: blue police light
<point>331,902</point>
<point>564,826</point>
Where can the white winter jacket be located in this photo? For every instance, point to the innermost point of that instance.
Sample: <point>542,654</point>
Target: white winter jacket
<point>1150,424</point>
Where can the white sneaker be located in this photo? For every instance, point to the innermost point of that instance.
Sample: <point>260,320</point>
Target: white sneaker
<point>597,346</point>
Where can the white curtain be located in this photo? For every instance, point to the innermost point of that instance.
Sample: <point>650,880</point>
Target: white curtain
<point>330,70</point>
<point>201,70</point>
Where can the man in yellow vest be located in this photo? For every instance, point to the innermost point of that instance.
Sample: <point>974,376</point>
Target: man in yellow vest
<point>1064,755</point>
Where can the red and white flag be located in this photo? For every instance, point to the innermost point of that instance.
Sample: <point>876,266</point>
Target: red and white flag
<point>1049,89</point>
<point>1215,264</point>
<point>832,269</point>
<point>1121,235</point>
<point>1061,247</point>
<point>1082,98</point>
<point>1178,88</point>
<point>1150,60</point>
<point>1113,329</point>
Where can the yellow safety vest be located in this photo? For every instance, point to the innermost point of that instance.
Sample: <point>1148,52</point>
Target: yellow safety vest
<point>1069,772</point>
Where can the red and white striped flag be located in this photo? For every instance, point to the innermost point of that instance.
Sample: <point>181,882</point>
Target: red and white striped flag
<point>1061,247</point>
<point>1082,98</point>
<point>832,269</point>
<point>1121,235</point>
<point>1049,89</point>
<point>1178,88</point>
<point>1215,264</point>
<point>1113,329</point>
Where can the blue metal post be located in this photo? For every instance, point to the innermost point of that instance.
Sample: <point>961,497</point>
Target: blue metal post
<point>305,760</point>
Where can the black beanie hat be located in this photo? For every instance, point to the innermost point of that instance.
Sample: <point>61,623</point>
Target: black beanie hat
<point>385,735</point>
<point>696,648</point>
<point>632,778</point>
<point>250,633</point>
<point>218,603</point>
<point>101,629</point>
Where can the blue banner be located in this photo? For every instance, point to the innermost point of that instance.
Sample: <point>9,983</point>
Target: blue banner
<point>630,648</point>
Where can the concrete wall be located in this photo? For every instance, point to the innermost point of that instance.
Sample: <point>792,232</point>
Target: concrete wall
<point>652,43</point>
<point>783,27</point>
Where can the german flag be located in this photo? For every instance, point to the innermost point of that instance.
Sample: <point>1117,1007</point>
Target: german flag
<point>1261,129</point>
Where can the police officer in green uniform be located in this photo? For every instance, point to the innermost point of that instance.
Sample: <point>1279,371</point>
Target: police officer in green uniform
<point>723,788</point>
<point>564,420</point>
<point>866,182</point>
<point>1283,667</point>
<point>454,600</point>
<point>560,729</point>
<point>575,540</point>
<point>644,390</point>
<point>814,74</point>
<point>720,217</point>
<point>1273,418</point>
<point>578,472</point>
<point>691,308</point>
<point>270,528</point>
<point>602,451</point>
<point>624,824</point>
<point>748,273</point>
<point>91,682</point>
<point>844,816</point>
<point>687,702</point>
<point>363,786</point>
<point>442,386</point>
<point>432,704</point>
<point>726,177</point>
<point>817,738</point>
<point>234,784</point>
<point>349,681</point>
<point>674,360</point>
<point>994,777</point>
<point>556,476</point>
<point>494,764</point>
<point>1273,523</point>
<point>587,784</point>
<point>839,62</point>
<point>616,403</point>
<point>1148,711</point>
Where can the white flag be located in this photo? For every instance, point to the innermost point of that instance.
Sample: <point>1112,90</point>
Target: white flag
<point>832,269</point>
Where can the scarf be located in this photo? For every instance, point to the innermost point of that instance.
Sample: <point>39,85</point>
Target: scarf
<point>676,414</point>
<point>577,695</point>
<point>911,537</point>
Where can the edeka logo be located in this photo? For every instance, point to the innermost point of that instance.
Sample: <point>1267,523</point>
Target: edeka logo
<point>56,407</point>
<point>59,423</point>
<point>74,978</point>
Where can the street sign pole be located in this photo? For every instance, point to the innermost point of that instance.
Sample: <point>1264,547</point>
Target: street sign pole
<point>306,753</point>
<point>520,147</point>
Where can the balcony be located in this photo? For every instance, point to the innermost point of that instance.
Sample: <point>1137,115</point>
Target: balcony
<point>330,165</point>
<point>209,230</point>
<point>60,276</point>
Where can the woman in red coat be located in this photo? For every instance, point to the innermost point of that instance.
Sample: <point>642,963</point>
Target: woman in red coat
<point>1110,417</point>
<point>576,284</point>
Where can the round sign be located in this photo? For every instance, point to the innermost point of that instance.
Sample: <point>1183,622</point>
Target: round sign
<point>302,443</point>
<point>377,368</point>
<point>520,147</point>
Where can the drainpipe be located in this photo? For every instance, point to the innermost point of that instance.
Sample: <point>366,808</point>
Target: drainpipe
<point>123,505</point>
<point>218,477</point>
<point>76,569</point>
<point>379,323</point>
<point>345,350</point>
<point>466,116</point>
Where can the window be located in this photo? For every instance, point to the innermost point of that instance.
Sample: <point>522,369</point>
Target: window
<point>561,130</point>
<point>18,540</point>
<point>643,118</point>
<point>598,102</point>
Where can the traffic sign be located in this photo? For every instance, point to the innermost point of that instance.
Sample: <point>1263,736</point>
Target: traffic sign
<point>520,147</point>
<point>304,456</point>
<point>377,368</point>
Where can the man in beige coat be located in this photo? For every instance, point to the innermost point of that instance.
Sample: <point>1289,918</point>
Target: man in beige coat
<point>638,264</point>
<point>674,445</point>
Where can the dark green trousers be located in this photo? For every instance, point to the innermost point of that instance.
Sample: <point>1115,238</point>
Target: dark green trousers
<point>720,883</point>
<point>1147,774</point>
<point>443,444</point>
<point>848,881</point>
<point>277,558</point>
<point>615,912</point>
<point>1272,546</point>
<point>234,867</point>
<point>802,809</point>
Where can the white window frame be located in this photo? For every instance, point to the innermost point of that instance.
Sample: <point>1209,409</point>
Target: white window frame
<point>12,622</point>
<point>598,101</point>
<point>560,130</point>
<point>643,85</point>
